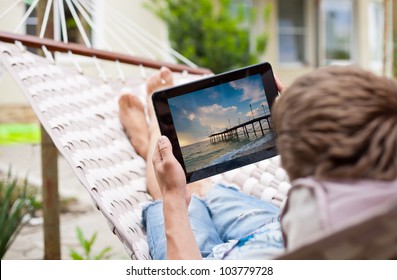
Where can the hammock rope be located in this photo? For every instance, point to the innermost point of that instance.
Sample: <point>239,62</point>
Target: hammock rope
<point>26,15</point>
<point>45,19</point>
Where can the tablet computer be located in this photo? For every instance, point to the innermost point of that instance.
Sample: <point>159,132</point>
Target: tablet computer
<point>221,122</point>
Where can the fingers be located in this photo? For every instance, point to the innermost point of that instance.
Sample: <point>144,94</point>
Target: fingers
<point>280,85</point>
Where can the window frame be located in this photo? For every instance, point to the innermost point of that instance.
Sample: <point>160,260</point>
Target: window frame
<point>374,62</point>
<point>302,31</point>
<point>323,60</point>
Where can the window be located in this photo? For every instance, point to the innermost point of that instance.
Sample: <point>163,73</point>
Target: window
<point>338,31</point>
<point>73,31</point>
<point>291,31</point>
<point>31,22</point>
<point>31,25</point>
<point>376,22</point>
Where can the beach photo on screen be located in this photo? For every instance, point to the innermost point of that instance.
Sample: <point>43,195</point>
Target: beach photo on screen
<point>223,122</point>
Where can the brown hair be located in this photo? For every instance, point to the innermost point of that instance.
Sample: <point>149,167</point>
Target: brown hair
<point>338,122</point>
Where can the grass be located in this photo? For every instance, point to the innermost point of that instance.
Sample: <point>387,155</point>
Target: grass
<point>18,133</point>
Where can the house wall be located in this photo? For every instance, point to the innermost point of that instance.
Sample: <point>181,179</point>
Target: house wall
<point>289,73</point>
<point>9,92</point>
<point>11,20</point>
<point>365,53</point>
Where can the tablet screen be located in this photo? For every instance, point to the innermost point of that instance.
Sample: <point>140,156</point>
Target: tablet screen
<point>221,124</point>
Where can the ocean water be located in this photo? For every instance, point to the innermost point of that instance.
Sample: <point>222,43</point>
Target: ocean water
<point>205,153</point>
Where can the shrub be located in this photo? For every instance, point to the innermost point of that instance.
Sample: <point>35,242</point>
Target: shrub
<point>212,34</point>
<point>17,206</point>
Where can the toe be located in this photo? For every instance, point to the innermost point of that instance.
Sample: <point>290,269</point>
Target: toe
<point>152,84</point>
<point>166,76</point>
<point>134,101</point>
<point>160,80</point>
<point>124,101</point>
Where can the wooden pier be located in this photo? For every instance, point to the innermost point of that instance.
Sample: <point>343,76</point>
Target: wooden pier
<point>229,133</point>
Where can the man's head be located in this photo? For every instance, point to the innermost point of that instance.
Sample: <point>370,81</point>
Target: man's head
<point>338,123</point>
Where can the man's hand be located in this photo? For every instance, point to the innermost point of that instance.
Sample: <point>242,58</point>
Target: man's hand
<point>181,243</point>
<point>169,172</point>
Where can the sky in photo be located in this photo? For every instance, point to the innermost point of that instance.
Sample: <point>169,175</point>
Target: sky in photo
<point>198,114</point>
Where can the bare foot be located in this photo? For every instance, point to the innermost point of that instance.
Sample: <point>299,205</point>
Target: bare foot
<point>163,80</point>
<point>132,117</point>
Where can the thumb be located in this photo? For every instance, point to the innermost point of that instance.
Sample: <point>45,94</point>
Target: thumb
<point>165,149</point>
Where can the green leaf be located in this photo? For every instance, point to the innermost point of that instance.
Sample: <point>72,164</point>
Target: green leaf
<point>102,254</point>
<point>80,236</point>
<point>75,256</point>
<point>5,201</point>
<point>261,43</point>
<point>87,247</point>
<point>89,243</point>
<point>212,36</point>
<point>93,238</point>
<point>15,207</point>
<point>267,11</point>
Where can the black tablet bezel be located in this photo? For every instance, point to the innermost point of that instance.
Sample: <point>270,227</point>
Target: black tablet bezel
<point>167,128</point>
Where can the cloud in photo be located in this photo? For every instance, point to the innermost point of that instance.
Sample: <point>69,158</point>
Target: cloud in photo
<point>188,126</point>
<point>257,112</point>
<point>252,89</point>
<point>191,116</point>
<point>214,95</point>
<point>216,116</point>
